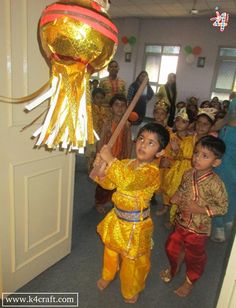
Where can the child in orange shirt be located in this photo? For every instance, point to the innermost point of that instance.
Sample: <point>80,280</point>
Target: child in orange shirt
<point>121,149</point>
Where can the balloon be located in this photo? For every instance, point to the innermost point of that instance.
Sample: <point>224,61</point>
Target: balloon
<point>188,49</point>
<point>133,117</point>
<point>124,39</point>
<point>190,58</point>
<point>132,40</point>
<point>197,51</point>
<point>79,39</point>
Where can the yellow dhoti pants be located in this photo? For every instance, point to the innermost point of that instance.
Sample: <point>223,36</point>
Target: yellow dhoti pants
<point>133,272</point>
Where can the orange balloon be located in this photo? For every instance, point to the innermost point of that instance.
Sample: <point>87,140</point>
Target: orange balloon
<point>133,117</point>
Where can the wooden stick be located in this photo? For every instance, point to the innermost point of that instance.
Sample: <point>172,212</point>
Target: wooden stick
<point>98,170</point>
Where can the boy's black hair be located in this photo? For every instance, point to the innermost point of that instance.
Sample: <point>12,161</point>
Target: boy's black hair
<point>163,135</point>
<point>213,144</point>
<point>112,61</point>
<point>98,90</point>
<point>119,97</point>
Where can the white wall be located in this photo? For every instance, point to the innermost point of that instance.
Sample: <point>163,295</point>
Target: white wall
<point>191,80</point>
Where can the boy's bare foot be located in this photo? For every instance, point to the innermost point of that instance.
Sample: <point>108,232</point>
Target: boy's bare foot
<point>132,300</point>
<point>166,275</point>
<point>102,284</point>
<point>184,289</point>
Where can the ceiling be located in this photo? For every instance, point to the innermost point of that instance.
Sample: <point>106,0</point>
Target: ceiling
<point>170,8</point>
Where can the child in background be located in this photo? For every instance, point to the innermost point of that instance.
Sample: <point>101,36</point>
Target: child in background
<point>201,196</point>
<point>181,124</point>
<point>180,105</point>
<point>121,149</point>
<point>192,104</point>
<point>183,151</point>
<point>192,107</point>
<point>127,229</point>
<point>225,105</point>
<point>215,103</point>
<point>94,84</point>
<point>205,104</point>
<point>160,114</point>
<point>99,117</point>
<point>99,109</point>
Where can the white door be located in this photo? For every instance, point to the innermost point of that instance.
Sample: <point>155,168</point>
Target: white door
<point>36,186</point>
<point>227,298</point>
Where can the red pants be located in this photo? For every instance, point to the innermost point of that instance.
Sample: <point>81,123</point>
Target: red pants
<point>190,247</point>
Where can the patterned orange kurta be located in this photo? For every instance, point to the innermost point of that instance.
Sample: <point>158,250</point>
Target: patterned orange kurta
<point>134,189</point>
<point>112,87</point>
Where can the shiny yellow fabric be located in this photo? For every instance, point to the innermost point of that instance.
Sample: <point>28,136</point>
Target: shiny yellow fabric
<point>71,88</point>
<point>133,273</point>
<point>181,164</point>
<point>135,187</point>
<point>111,263</point>
<point>75,50</point>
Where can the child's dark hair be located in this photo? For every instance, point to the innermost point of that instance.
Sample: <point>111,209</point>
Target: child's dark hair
<point>98,91</point>
<point>112,61</point>
<point>163,135</point>
<point>213,144</point>
<point>119,97</point>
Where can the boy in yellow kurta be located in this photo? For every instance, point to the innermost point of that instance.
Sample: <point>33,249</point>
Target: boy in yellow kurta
<point>127,229</point>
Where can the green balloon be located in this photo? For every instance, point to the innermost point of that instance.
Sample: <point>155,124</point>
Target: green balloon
<point>132,40</point>
<point>188,49</point>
